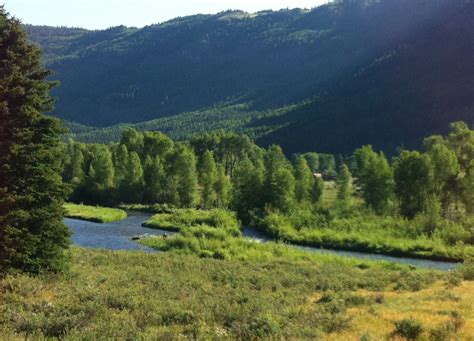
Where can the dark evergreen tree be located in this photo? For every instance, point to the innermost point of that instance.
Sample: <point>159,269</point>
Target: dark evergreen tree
<point>33,237</point>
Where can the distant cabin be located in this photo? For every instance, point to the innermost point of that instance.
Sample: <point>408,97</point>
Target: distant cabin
<point>325,176</point>
<point>318,175</point>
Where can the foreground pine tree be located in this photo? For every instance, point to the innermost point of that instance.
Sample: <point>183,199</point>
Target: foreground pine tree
<point>33,237</point>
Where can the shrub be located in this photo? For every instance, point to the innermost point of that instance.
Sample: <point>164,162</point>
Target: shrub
<point>442,332</point>
<point>413,281</point>
<point>177,316</point>
<point>330,314</point>
<point>410,328</point>
<point>379,298</point>
<point>467,270</point>
<point>452,233</point>
<point>457,321</point>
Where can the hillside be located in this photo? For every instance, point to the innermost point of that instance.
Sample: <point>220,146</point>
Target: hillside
<point>330,79</point>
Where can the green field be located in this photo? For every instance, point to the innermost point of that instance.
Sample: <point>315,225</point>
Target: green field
<point>94,213</point>
<point>132,295</point>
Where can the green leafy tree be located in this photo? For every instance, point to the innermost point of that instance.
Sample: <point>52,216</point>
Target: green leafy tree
<point>445,173</point>
<point>223,188</point>
<point>155,180</point>
<point>228,148</point>
<point>33,236</point>
<point>182,173</point>
<point>155,144</point>
<point>121,157</point>
<point>101,169</point>
<point>134,140</point>
<point>313,161</point>
<point>281,190</point>
<point>208,179</point>
<point>327,164</point>
<point>131,186</point>
<point>73,168</point>
<point>461,141</point>
<point>279,186</point>
<point>344,187</point>
<point>375,178</point>
<point>431,215</point>
<point>317,191</point>
<point>468,189</point>
<point>247,189</point>
<point>304,180</point>
<point>413,182</point>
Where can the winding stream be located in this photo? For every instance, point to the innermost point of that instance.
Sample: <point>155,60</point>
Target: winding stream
<point>118,236</point>
<point>113,236</point>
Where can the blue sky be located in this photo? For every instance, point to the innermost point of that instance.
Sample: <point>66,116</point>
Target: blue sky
<point>99,14</point>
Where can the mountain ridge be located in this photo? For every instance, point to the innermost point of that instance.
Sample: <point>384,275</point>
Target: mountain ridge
<point>344,74</point>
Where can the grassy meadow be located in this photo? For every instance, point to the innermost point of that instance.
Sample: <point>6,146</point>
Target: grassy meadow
<point>94,213</point>
<point>133,295</point>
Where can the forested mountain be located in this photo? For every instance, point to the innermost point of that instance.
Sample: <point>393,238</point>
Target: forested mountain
<point>333,78</point>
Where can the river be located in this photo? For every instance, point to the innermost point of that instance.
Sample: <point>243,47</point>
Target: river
<point>118,236</point>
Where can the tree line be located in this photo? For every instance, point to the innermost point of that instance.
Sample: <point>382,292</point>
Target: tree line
<point>228,170</point>
<point>218,169</point>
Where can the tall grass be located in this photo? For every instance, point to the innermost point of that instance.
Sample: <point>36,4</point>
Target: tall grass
<point>179,219</point>
<point>94,213</point>
<point>365,233</point>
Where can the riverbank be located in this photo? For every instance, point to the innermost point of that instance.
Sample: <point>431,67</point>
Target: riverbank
<point>133,295</point>
<point>94,213</point>
<point>369,234</point>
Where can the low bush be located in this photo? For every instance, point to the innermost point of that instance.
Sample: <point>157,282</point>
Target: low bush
<point>410,329</point>
<point>442,332</point>
<point>467,269</point>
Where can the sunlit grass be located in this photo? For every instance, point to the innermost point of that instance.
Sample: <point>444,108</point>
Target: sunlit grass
<point>94,213</point>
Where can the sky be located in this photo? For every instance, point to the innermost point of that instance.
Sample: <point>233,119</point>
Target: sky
<point>100,14</point>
